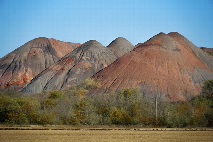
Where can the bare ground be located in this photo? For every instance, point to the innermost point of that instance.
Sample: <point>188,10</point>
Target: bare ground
<point>104,135</point>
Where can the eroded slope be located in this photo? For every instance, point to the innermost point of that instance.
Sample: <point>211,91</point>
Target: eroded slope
<point>23,64</point>
<point>81,63</point>
<point>165,66</point>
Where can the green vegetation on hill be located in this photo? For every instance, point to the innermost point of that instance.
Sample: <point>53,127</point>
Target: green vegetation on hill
<point>126,107</point>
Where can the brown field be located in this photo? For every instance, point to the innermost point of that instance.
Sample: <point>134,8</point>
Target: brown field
<point>119,135</point>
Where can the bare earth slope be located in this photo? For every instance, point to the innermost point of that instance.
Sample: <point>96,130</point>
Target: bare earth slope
<point>120,46</point>
<point>23,64</point>
<point>168,65</point>
<point>185,42</point>
<point>81,63</point>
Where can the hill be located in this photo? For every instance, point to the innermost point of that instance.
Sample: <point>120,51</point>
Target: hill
<point>81,63</point>
<point>120,46</point>
<point>20,66</point>
<point>167,66</point>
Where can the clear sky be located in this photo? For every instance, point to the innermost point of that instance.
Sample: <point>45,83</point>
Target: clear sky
<point>103,20</point>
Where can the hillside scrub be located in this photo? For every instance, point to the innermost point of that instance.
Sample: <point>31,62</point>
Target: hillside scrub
<point>126,107</point>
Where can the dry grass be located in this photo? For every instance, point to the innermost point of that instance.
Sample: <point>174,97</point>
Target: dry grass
<point>104,136</point>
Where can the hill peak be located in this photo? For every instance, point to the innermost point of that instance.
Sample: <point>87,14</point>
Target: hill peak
<point>39,42</point>
<point>92,44</point>
<point>164,41</point>
<point>21,65</point>
<point>120,46</point>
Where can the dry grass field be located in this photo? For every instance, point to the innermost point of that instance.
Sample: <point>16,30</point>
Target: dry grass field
<point>104,136</point>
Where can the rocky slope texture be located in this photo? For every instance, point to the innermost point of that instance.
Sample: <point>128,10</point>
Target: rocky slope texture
<point>23,64</point>
<point>167,66</point>
<point>81,63</point>
<point>120,46</point>
<point>208,50</point>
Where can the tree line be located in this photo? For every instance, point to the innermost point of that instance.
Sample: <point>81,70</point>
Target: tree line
<point>73,106</point>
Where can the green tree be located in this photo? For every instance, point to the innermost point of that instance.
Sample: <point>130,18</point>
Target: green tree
<point>119,116</point>
<point>172,117</point>
<point>78,114</point>
<point>55,94</point>
<point>200,108</point>
<point>207,89</point>
<point>30,107</point>
<point>10,111</point>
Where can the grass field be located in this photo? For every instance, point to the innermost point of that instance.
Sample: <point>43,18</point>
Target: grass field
<point>104,136</point>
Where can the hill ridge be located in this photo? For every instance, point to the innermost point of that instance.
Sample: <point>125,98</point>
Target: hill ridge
<point>167,64</point>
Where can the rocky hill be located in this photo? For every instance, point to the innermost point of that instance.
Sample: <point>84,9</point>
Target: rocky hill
<point>167,66</point>
<point>81,63</point>
<point>20,66</point>
<point>120,46</point>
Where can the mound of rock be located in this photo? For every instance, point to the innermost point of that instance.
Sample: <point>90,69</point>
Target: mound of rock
<point>20,66</point>
<point>81,63</point>
<point>120,46</point>
<point>166,66</point>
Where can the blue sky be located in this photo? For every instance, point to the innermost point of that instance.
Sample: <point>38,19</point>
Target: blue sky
<point>103,20</point>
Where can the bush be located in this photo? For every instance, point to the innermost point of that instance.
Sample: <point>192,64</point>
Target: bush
<point>90,83</point>
<point>10,111</point>
<point>45,118</point>
<point>119,117</point>
<point>129,92</point>
<point>126,107</point>
<point>30,107</point>
<point>78,115</point>
<point>207,89</point>
<point>55,94</point>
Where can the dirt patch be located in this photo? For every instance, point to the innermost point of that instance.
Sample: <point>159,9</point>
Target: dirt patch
<point>102,136</point>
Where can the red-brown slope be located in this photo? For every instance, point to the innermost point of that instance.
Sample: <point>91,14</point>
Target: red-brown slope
<point>23,64</point>
<point>159,66</point>
<point>205,58</point>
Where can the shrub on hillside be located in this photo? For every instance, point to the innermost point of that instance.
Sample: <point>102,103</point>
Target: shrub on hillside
<point>55,94</point>
<point>90,83</point>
